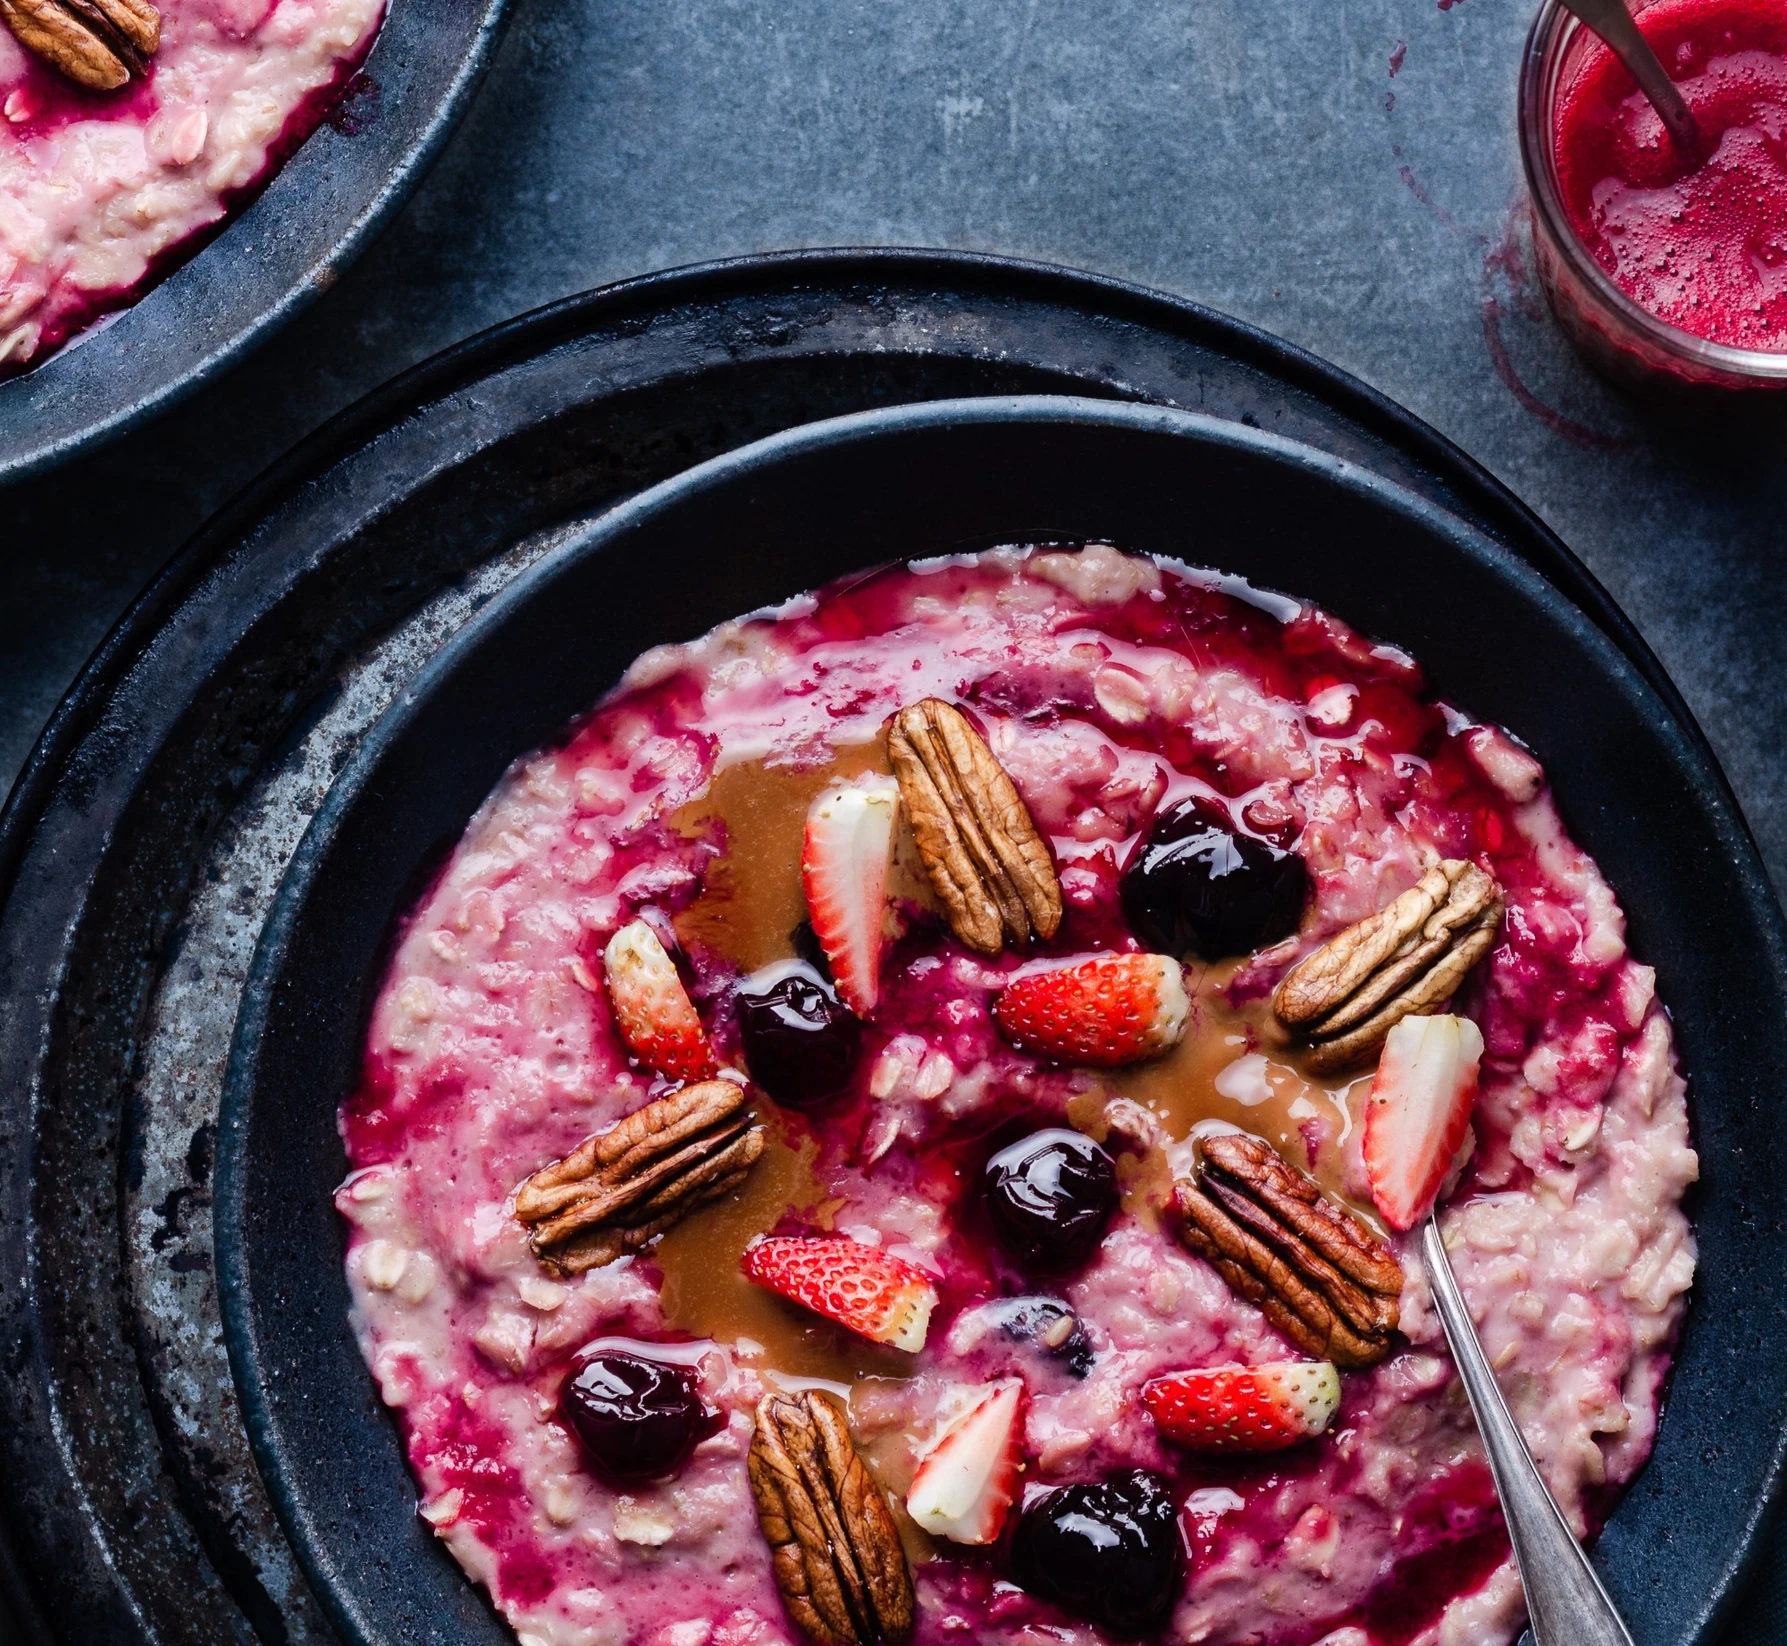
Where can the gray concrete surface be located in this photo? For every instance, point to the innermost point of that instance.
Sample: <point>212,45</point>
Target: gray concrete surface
<point>1341,172</point>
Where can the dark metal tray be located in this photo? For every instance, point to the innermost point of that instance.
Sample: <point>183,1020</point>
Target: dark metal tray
<point>837,497</point>
<point>318,213</point>
<point>144,842</point>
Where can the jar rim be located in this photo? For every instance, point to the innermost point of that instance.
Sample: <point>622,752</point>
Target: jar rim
<point>1552,32</point>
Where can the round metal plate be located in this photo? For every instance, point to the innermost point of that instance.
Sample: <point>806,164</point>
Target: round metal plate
<point>318,213</point>
<point>143,845</point>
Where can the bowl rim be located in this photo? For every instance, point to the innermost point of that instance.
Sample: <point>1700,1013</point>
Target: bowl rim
<point>311,858</point>
<point>1552,31</point>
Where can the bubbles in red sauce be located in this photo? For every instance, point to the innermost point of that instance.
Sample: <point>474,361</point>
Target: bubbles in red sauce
<point>1701,243</point>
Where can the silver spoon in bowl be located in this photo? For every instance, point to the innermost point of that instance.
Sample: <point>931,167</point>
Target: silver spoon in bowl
<point>1616,26</point>
<point>1564,1598</point>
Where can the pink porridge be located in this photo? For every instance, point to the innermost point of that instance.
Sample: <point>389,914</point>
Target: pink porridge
<point>100,189</point>
<point>994,870</point>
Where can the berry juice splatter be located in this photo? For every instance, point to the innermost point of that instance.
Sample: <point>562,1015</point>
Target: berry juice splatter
<point>1698,240</point>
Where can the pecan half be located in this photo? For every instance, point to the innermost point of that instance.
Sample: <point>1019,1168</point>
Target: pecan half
<point>1318,1273</point>
<point>619,1190</point>
<point>97,43</point>
<point>1408,957</point>
<point>980,849</point>
<point>837,1554</point>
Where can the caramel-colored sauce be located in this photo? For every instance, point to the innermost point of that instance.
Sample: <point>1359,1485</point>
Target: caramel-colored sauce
<point>751,899</point>
<point>706,1294</point>
<point>1276,1100</point>
<point>749,907</point>
<point>750,903</point>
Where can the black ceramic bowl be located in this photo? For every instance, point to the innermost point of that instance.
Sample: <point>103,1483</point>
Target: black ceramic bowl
<point>795,510</point>
<point>316,215</point>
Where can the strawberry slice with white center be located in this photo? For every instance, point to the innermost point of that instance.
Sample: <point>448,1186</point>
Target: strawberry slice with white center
<point>1245,1408</point>
<point>1419,1113</point>
<point>964,1486</point>
<point>875,1294</point>
<point>843,870</point>
<point>1111,1009</point>
<point>652,1009</point>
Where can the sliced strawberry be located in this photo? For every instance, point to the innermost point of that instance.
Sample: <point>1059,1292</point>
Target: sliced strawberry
<point>967,1480</point>
<point>657,1019</point>
<point>1245,1408</point>
<point>1111,1009</point>
<point>843,869</point>
<point>872,1292</point>
<point>1419,1113</point>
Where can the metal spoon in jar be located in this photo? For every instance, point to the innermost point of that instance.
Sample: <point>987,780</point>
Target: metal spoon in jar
<point>1564,1598</point>
<point>1615,25</point>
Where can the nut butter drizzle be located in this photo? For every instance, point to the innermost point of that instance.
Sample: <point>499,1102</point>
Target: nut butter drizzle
<point>741,916</point>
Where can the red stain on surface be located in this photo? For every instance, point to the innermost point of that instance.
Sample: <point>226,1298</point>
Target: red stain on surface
<point>1508,287</point>
<point>1507,265</point>
<point>356,104</point>
<point>1559,423</point>
<point>1419,190</point>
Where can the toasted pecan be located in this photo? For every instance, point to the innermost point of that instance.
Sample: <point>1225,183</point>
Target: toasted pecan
<point>980,848</point>
<point>836,1551</point>
<point>1409,957</point>
<point>1317,1272</point>
<point>620,1189</point>
<point>99,44</point>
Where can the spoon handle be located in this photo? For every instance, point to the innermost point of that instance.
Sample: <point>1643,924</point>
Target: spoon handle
<point>1615,25</point>
<point>1564,1598</point>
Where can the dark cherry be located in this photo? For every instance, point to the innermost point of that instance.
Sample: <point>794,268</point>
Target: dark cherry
<point>1109,1552</point>
<point>1194,884</point>
<point>801,1041</point>
<point>1050,1196</point>
<point>637,1418</point>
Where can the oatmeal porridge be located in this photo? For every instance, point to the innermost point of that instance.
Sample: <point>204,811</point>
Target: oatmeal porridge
<point>912,1121</point>
<point>184,110</point>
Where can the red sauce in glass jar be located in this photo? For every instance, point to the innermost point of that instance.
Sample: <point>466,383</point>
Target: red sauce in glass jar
<point>1699,242</point>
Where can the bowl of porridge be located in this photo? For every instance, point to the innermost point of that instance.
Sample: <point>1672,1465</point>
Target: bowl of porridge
<point>861,1058</point>
<point>179,176</point>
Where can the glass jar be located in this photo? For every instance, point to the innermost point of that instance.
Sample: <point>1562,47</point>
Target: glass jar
<point>1617,336</point>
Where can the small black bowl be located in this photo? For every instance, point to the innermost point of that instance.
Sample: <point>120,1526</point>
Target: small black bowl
<point>321,209</point>
<point>793,511</point>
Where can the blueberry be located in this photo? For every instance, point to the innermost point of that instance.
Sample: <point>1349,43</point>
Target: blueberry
<point>636,1418</point>
<point>801,1041</point>
<point>1194,884</point>
<point>1109,1552</point>
<point>1051,1325</point>
<point>1050,1196</point>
